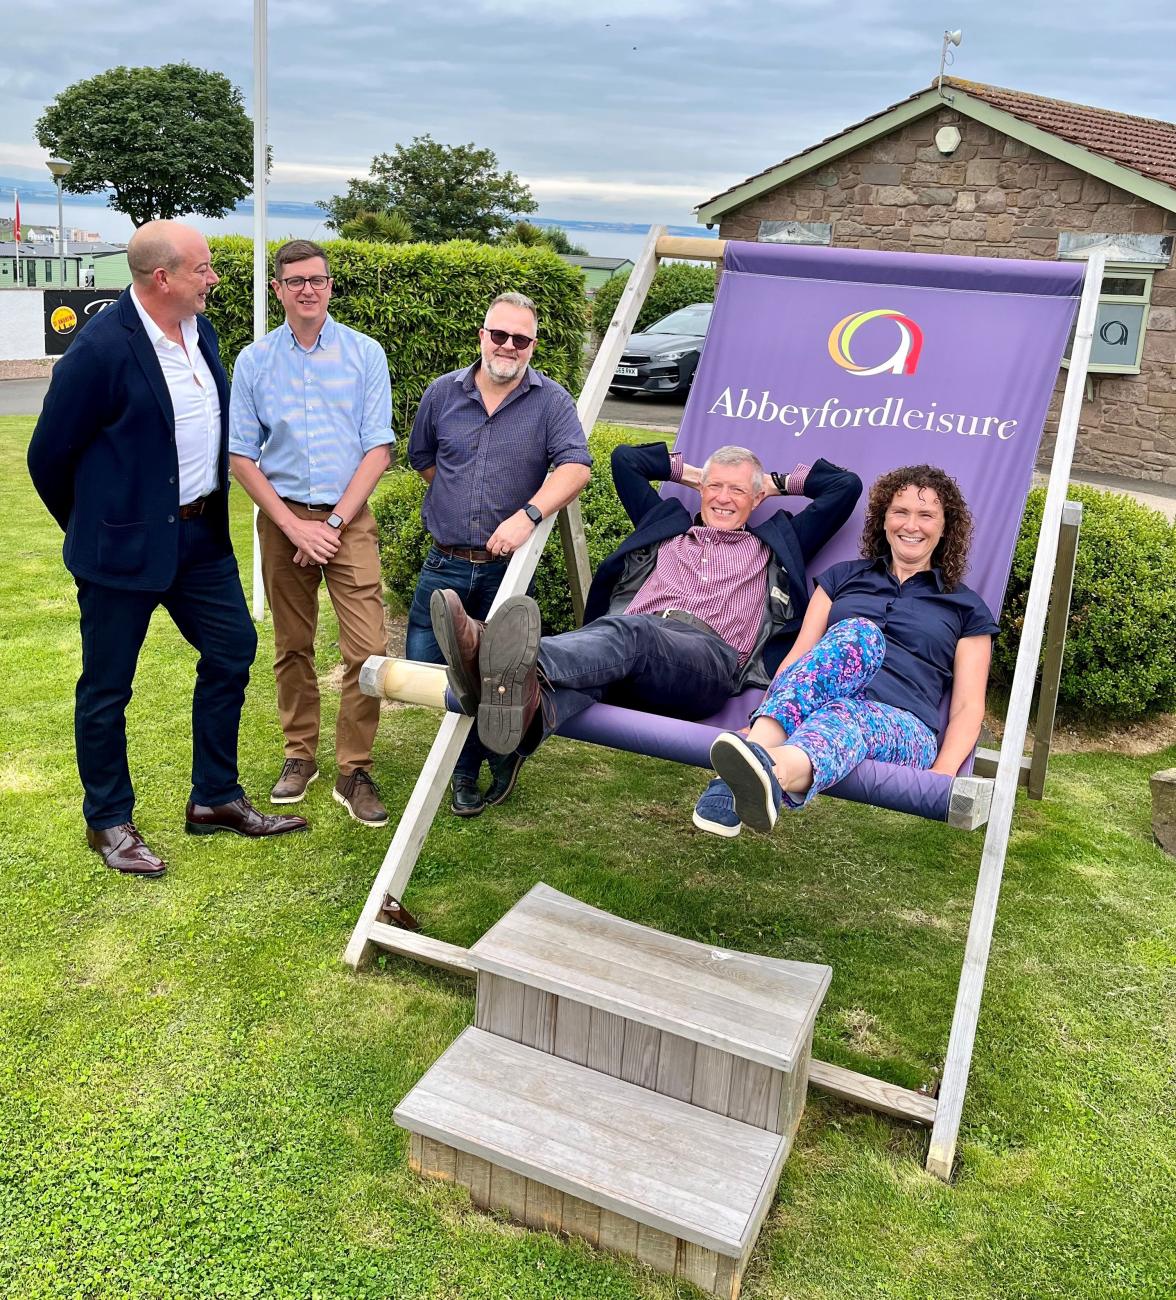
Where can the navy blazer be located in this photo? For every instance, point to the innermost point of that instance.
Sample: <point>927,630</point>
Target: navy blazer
<point>792,539</point>
<point>103,454</point>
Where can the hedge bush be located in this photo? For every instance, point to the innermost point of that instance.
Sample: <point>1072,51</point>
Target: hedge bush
<point>404,542</point>
<point>676,284</point>
<point>1120,658</point>
<point>422,302</point>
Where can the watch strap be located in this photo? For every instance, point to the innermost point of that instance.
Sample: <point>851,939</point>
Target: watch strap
<point>533,513</point>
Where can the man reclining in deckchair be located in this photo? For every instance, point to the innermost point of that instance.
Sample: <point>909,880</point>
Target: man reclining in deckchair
<point>686,612</point>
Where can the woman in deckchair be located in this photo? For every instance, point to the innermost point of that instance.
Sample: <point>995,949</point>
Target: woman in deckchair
<point>884,641</point>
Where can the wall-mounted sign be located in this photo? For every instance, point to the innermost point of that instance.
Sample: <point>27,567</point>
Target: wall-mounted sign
<point>66,313</point>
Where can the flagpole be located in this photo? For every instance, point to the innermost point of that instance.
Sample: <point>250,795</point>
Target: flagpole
<point>260,287</point>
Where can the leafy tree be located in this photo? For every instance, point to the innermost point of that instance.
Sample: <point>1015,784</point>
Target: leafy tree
<point>442,191</point>
<point>166,140</point>
<point>378,228</point>
<point>530,235</point>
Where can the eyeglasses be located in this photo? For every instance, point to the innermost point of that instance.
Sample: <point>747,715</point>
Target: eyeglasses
<point>499,337</point>
<point>315,281</point>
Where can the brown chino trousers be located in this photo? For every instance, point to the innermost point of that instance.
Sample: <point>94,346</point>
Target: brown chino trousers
<point>353,583</point>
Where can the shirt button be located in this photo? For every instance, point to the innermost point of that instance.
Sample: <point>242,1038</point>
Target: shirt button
<point>172,479</point>
<point>171,519</point>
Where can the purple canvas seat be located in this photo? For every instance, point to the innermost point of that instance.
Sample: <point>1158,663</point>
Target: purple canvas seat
<point>872,360</point>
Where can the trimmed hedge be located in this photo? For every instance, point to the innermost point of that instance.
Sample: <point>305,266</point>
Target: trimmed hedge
<point>676,284</point>
<point>1120,659</point>
<point>404,542</point>
<point>423,303</point>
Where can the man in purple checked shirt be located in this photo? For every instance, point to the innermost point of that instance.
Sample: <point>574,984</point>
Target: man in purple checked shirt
<point>483,440</point>
<point>687,611</point>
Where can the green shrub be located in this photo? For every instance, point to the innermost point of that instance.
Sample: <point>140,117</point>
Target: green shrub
<point>676,284</point>
<point>396,504</point>
<point>423,303</point>
<point>1119,660</point>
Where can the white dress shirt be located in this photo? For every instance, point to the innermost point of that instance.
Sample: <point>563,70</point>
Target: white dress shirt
<point>195,404</point>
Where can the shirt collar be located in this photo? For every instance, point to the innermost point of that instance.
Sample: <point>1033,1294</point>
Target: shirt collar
<point>882,565</point>
<point>325,339</point>
<point>742,531</point>
<point>156,335</point>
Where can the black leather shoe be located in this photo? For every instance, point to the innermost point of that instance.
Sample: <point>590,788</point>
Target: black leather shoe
<point>467,799</point>
<point>241,818</point>
<point>504,769</point>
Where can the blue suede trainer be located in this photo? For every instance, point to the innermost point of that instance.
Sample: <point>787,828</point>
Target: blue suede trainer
<point>747,769</point>
<point>715,810</point>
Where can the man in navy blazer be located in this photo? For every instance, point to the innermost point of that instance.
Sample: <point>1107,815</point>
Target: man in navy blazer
<point>130,457</point>
<point>688,610</point>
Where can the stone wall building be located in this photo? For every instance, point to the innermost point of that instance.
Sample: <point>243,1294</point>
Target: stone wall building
<point>979,170</point>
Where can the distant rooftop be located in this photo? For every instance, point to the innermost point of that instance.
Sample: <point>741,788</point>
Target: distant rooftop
<point>596,263</point>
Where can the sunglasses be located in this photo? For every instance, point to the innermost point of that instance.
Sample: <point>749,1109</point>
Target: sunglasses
<point>499,337</point>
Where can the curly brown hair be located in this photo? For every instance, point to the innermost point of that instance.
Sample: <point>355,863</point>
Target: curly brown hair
<point>951,555</point>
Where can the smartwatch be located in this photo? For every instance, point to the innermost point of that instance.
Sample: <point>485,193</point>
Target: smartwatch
<point>335,522</point>
<point>533,513</point>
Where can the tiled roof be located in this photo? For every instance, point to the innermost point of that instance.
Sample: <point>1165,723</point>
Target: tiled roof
<point>1144,144</point>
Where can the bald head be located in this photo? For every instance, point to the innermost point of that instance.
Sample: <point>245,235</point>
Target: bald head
<point>172,270</point>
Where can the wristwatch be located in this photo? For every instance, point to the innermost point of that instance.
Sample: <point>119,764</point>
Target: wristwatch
<point>781,482</point>
<point>335,522</point>
<point>533,513</point>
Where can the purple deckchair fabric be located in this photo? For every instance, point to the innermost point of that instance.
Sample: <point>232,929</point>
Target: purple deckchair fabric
<point>872,360</point>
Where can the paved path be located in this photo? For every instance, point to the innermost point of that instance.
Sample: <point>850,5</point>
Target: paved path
<point>24,397</point>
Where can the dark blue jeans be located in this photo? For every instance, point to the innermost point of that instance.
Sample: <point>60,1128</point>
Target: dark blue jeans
<point>476,585</point>
<point>638,661</point>
<point>208,606</point>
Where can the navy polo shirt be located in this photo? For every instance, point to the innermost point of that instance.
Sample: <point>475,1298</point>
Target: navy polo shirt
<point>921,621</point>
<point>489,466</point>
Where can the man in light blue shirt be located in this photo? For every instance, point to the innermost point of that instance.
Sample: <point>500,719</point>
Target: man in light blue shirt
<point>309,436</point>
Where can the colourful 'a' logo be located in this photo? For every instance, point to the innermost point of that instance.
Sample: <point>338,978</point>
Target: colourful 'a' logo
<point>906,355</point>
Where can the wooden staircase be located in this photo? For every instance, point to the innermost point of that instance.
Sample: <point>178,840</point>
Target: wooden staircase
<point>622,1085</point>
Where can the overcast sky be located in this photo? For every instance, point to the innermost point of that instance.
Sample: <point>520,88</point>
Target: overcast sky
<point>608,110</point>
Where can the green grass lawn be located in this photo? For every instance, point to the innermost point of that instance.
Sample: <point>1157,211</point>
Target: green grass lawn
<point>196,1095</point>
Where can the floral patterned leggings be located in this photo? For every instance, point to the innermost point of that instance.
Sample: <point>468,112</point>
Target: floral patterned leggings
<point>819,703</point>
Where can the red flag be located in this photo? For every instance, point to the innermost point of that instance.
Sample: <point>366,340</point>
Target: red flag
<point>16,224</point>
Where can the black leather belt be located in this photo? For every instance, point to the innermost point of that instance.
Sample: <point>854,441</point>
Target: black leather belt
<point>683,616</point>
<point>473,554</point>
<point>323,507</point>
<point>194,509</point>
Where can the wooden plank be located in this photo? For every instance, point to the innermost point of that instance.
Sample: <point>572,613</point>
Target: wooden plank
<point>577,563</point>
<point>474,1173</point>
<point>671,1166</point>
<point>1060,596</point>
<point>874,1093</point>
<point>657,1249</point>
<point>728,1277</point>
<point>694,248</point>
<point>696,1265</point>
<point>711,1088</point>
<point>438,1159</point>
<point>504,1006</point>
<point>639,1057</point>
<point>581,1219</point>
<point>573,1021</point>
<point>759,1007</point>
<point>954,1084</point>
<point>793,1094</point>
<point>752,1086</point>
<point>606,1042</point>
<point>985,761</point>
<point>419,947</point>
<point>675,1067</point>
<point>414,1152</point>
<point>538,1019</point>
<point>617,1232</point>
<point>545,1207</point>
<point>508,1193</point>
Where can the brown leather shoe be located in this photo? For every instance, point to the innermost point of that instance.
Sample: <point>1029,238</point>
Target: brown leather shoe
<point>510,681</point>
<point>241,818</point>
<point>297,774</point>
<point>459,637</point>
<point>123,849</point>
<point>358,794</point>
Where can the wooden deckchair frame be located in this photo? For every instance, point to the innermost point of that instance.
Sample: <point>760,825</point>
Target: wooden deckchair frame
<point>1051,582</point>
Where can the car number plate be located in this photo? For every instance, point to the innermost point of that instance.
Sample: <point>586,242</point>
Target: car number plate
<point>629,371</point>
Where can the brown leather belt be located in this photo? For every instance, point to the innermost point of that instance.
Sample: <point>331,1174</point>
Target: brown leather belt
<point>683,616</point>
<point>474,554</point>
<point>194,509</point>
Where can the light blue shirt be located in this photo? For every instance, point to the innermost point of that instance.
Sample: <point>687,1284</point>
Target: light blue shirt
<point>309,416</point>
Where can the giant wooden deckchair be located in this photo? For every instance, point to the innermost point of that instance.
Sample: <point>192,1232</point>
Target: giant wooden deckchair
<point>1021,313</point>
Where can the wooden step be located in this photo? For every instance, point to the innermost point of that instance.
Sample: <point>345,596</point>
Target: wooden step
<point>607,1160</point>
<point>757,1008</point>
